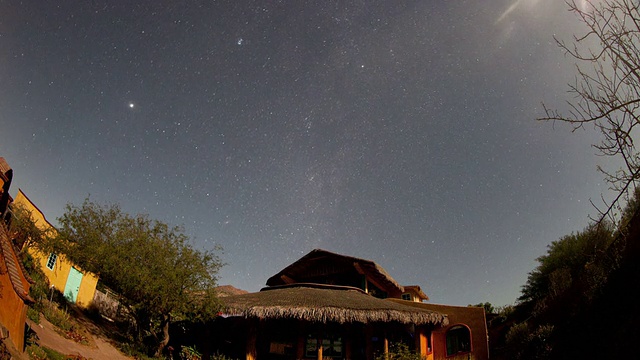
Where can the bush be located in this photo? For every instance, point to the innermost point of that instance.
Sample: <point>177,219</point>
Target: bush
<point>4,352</point>
<point>40,289</point>
<point>400,351</point>
<point>524,344</point>
<point>218,356</point>
<point>43,353</point>
<point>58,317</point>
<point>33,315</point>
<point>190,353</point>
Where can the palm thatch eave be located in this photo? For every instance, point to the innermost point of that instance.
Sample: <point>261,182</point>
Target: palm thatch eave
<point>326,304</point>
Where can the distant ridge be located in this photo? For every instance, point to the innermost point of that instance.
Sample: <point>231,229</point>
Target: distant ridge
<point>229,290</point>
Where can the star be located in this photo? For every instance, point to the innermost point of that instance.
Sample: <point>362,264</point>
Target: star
<point>131,105</point>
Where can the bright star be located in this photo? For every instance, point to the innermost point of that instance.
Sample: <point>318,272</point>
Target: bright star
<point>131,105</point>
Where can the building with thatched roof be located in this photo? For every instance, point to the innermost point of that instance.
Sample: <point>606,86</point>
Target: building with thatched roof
<point>332,306</point>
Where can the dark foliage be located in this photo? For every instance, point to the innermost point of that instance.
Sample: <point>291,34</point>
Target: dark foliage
<point>582,294</point>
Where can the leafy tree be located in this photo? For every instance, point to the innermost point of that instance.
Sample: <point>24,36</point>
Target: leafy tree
<point>159,275</point>
<point>574,266</point>
<point>607,87</point>
<point>524,343</point>
<point>26,233</point>
<point>488,308</point>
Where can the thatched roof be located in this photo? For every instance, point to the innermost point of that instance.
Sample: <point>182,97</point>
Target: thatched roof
<point>323,303</point>
<point>417,290</point>
<point>319,257</point>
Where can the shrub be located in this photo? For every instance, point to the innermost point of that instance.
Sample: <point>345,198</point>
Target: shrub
<point>36,353</point>
<point>218,356</point>
<point>33,315</point>
<point>4,352</point>
<point>58,317</point>
<point>190,353</point>
<point>400,351</point>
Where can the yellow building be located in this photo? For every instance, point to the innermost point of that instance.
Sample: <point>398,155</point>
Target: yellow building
<point>78,286</point>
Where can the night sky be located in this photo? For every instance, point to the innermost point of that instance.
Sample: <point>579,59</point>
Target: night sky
<point>401,132</point>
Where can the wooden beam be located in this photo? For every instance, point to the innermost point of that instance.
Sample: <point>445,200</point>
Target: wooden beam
<point>301,344</point>
<point>361,271</point>
<point>421,341</point>
<point>252,334</point>
<point>347,340</point>
<point>286,279</point>
<point>386,345</point>
<point>368,333</point>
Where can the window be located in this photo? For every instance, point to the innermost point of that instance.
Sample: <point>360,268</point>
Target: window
<point>51,262</point>
<point>406,296</point>
<point>458,340</point>
<point>331,346</point>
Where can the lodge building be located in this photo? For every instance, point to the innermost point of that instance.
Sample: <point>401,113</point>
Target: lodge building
<point>332,306</point>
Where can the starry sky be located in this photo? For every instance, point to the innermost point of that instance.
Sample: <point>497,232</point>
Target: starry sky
<point>402,132</point>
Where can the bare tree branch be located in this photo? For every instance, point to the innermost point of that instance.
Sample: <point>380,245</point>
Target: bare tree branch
<point>606,89</point>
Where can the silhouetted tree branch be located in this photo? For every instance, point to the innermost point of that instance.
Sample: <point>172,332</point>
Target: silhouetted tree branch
<point>607,88</point>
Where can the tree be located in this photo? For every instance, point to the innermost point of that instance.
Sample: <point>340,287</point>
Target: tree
<point>574,269</point>
<point>488,308</point>
<point>607,87</point>
<point>26,232</point>
<point>153,267</point>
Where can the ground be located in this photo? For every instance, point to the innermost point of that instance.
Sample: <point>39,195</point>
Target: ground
<point>98,346</point>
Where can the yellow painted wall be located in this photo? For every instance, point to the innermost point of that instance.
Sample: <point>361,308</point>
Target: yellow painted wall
<point>87,289</point>
<point>58,276</point>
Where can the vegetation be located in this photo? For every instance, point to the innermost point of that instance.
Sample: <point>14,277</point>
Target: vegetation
<point>26,233</point>
<point>4,352</point>
<point>190,353</point>
<point>158,274</point>
<point>488,308</point>
<point>44,353</point>
<point>607,87</point>
<point>400,351</point>
<point>578,294</point>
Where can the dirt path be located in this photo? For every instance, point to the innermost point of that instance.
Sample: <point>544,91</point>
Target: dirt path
<point>98,349</point>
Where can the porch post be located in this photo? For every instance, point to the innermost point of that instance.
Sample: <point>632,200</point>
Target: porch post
<point>368,333</point>
<point>386,345</point>
<point>320,348</point>
<point>347,341</point>
<point>300,346</point>
<point>421,341</point>
<point>252,333</point>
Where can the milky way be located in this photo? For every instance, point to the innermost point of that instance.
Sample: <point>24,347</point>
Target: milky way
<point>402,133</point>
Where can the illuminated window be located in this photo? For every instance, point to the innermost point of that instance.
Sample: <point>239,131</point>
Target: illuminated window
<point>331,346</point>
<point>51,262</point>
<point>458,340</point>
